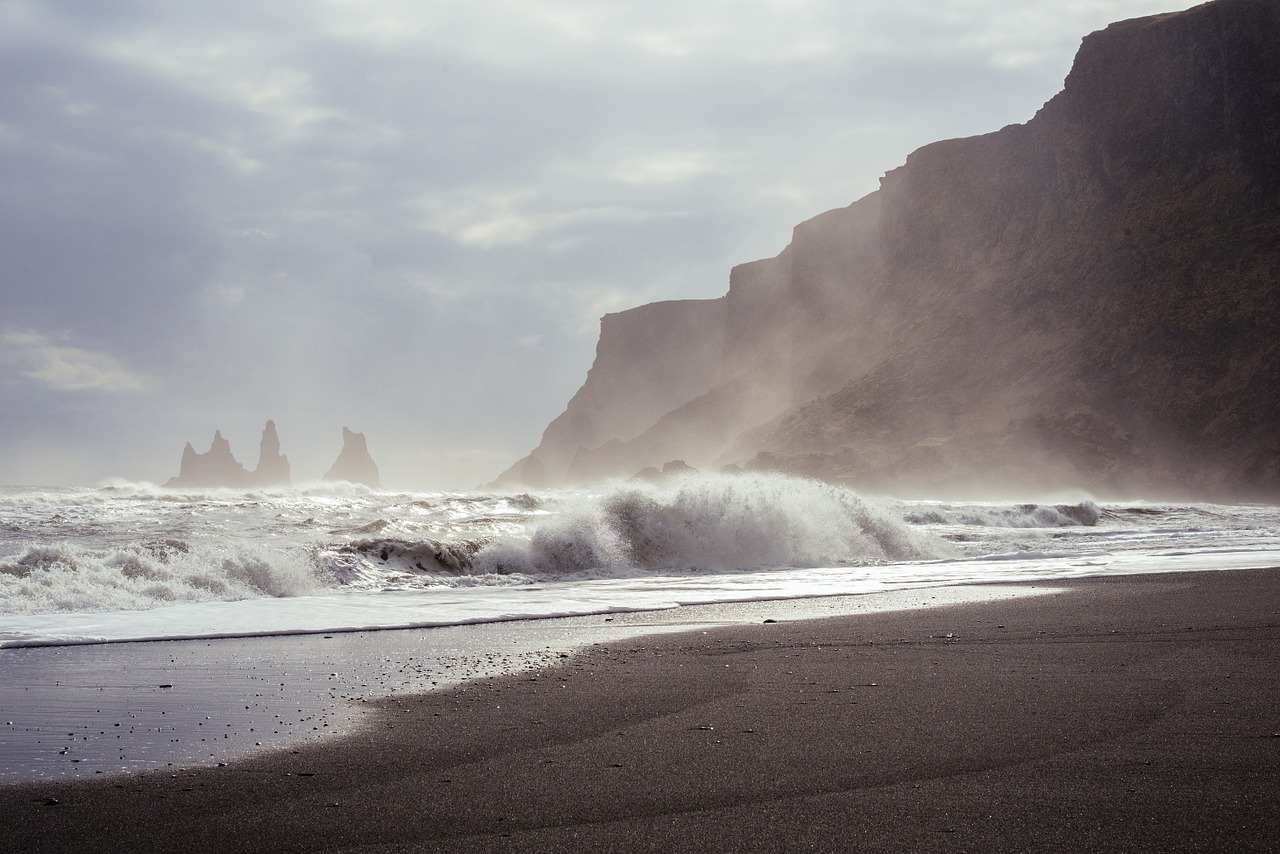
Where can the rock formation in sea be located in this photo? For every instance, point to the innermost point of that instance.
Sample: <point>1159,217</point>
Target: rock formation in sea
<point>273,466</point>
<point>214,468</point>
<point>218,467</point>
<point>1090,299</point>
<point>354,464</point>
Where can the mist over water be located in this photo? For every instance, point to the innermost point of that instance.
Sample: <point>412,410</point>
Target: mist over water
<point>135,547</point>
<point>133,560</point>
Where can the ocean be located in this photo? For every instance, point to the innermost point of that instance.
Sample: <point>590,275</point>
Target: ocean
<point>130,561</point>
<point>275,603</point>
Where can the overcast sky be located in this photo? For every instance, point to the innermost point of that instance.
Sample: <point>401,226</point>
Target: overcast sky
<point>407,216</point>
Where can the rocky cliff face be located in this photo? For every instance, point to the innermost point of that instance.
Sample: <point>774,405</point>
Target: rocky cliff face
<point>354,464</point>
<point>218,467</point>
<point>1090,299</point>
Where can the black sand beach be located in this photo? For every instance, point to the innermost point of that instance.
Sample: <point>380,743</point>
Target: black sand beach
<point>1126,714</point>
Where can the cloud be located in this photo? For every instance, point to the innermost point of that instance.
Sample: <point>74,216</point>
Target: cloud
<point>66,368</point>
<point>363,211</point>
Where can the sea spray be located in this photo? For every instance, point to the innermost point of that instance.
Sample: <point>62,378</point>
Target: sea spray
<point>709,522</point>
<point>129,548</point>
<point>66,577</point>
<point>1085,514</point>
<point>137,563</point>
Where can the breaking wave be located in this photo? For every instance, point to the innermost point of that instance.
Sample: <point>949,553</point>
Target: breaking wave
<point>134,547</point>
<point>65,577</point>
<point>710,523</point>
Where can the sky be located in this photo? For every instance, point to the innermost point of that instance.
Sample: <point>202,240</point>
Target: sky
<point>408,216</point>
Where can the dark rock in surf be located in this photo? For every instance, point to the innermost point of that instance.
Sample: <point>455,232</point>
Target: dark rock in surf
<point>354,463</point>
<point>672,468</point>
<point>650,474</point>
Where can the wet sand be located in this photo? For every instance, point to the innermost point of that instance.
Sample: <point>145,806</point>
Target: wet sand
<point>96,709</point>
<point>1125,714</point>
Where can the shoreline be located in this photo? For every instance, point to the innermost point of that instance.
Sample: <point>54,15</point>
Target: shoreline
<point>256,693</point>
<point>1126,713</point>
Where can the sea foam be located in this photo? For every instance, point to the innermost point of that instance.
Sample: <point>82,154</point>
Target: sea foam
<point>1085,514</point>
<point>136,562</point>
<point>709,522</point>
<point>132,547</point>
<point>64,577</point>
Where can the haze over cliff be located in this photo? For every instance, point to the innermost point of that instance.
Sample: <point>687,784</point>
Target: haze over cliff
<point>1089,299</point>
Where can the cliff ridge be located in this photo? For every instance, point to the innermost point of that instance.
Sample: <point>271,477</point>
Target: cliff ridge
<point>1085,300</point>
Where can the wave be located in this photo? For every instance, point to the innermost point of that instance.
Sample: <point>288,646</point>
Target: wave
<point>709,522</point>
<point>363,562</point>
<point>65,577</point>
<point>1085,514</point>
<point>136,546</point>
<point>698,524</point>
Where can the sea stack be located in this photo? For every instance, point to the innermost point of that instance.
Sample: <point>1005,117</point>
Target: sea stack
<point>354,464</point>
<point>214,468</point>
<point>218,467</point>
<point>273,466</point>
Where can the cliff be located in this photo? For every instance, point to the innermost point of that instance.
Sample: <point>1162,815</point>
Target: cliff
<point>354,463</point>
<point>1090,299</point>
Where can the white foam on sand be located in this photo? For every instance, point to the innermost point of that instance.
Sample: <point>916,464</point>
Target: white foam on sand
<point>422,608</point>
